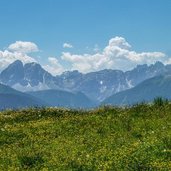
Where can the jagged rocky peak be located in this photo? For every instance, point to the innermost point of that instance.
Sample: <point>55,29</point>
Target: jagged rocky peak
<point>33,68</point>
<point>110,71</point>
<point>139,67</point>
<point>15,66</point>
<point>16,63</point>
<point>159,64</point>
<point>32,65</point>
<point>71,73</point>
<point>35,74</point>
<point>96,85</point>
<point>13,73</point>
<point>29,75</point>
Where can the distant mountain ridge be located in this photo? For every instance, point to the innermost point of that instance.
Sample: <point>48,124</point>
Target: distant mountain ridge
<point>58,98</point>
<point>13,99</point>
<point>30,76</point>
<point>97,86</point>
<point>146,91</point>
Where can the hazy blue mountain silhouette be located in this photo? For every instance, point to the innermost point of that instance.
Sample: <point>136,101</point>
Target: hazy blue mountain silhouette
<point>12,99</point>
<point>64,99</point>
<point>158,86</point>
<point>97,86</point>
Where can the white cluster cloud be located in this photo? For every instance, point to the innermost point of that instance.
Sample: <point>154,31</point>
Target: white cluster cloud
<point>53,66</point>
<point>7,57</point>
<point>17,51</point>
<point>116,55</point>
<point>67,45</point>
<point>23,47</point>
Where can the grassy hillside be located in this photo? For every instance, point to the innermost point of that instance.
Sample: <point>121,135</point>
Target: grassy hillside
<point>108,138</point>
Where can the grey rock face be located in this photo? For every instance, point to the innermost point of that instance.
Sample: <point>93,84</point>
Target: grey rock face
<point>95,85</point>
<point>13,74</point>
<point>21,76</point>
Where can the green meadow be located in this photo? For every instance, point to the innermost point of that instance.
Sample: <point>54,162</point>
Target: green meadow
<point>107,138</point>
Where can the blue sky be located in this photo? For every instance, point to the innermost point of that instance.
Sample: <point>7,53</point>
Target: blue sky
<point>145,25</point>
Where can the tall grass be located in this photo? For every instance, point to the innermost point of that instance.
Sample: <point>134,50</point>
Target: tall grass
<point>106,138</point>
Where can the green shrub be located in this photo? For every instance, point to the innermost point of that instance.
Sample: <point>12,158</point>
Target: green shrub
<point>32,161</point>
<point>159,101</point>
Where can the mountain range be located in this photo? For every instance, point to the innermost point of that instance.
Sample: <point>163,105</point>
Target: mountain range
<point>59,98</point>
<point>75,89</point>
<point>12,99</point>
<point>146,91</point>
<point>95,85</point>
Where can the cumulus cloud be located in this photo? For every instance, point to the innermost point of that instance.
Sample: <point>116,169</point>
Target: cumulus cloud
<point>116,55</point>
<point>67,45</point>
<point>17,51</point>
<point>53,66</point>
<point>119,42</point>
<point>7,57</point>
<point>23,47</point>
